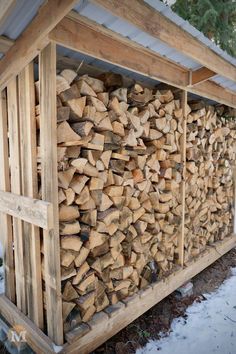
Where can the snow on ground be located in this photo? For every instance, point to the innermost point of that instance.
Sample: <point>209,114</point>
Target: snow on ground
<point>210,326</point>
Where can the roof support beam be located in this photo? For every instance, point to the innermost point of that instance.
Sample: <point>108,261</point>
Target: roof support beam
<point>33,39</point>
<point>80,34</point>
<point>200,75</point>
<point>144,17</point>
<point>5,44</point>
<point>89,38</point>
<point>5,8</point>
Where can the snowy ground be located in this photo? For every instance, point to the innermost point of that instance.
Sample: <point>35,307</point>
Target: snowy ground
<point>210,326</point>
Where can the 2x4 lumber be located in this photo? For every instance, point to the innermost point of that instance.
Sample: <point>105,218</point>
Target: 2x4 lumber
<point>144,17</point>
<point>184,101</point>
<point>89,38</point>
<point>5,44</point>
<point>201,75</point>
<point>15,163</point>
<point>33,39</point>
<point>148,298</point>
<point>5,8</point>
<point>36,339</point>
<point>213,91</point>
<point>42,211</point>
<point>48,149</point>
<point>33,211</point>
<point>6,220</point>
<point>80,34</point>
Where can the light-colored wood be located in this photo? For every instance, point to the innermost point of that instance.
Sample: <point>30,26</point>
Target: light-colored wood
<point>115,49</point>
<point>36,339</point>
<point>34,38</point>
<point>5,44</point>
<point>6,7</point>
<point>14,147</point>
<point>213,91</point>
<point>30,189</point>
<point>6,220</point>
<point>143,16</point>
<point>184,101</point>
<point>102,332</point>
<point>93,37</point>
<point>201,75</point>
<point>33,211</point>
<point>48,146</point>
<point>234,177</point>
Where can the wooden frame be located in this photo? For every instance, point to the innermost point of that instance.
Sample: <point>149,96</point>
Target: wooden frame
<point>22,214</point>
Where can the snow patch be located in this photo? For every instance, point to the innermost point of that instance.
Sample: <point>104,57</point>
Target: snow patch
<point>210,326</point>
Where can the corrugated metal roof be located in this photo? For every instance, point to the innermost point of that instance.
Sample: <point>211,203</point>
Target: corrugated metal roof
<point>25,10</point>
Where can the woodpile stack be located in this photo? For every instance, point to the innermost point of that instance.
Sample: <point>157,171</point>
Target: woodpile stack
<point>211,152</point>
<point>120,175</point>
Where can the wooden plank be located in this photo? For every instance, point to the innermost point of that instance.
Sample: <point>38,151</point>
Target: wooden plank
<point>42,211</point>
<point>184,101</point>
<point>213,91</point>
<point>36,339</point>
<point>144,17</point>
<point>161,289</point>
<point>48,148</point>
<point>6,220</point>
<point>92,39</point>
<point>5,44</point>
<point>14,147</point>
<point>34,38</point>
<point>34,211</point>
<point>234,181</point>
<point>5,9</point>
<point>201,75</point>
<point>85,36</point>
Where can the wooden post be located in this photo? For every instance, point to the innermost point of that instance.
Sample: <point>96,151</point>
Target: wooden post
<point>30,189</point>
<point>184,100</point>
<point>15,163</point>
<point>48,148</point>
<point>234,182</point>
<point>6,220</point>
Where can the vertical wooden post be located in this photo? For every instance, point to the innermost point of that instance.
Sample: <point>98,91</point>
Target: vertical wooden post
<point>184,100</point>
<point>14,145</point>
<point>234,183</point>
<point>6,220</point>
<point>30,189</point>
<point>48,149</point>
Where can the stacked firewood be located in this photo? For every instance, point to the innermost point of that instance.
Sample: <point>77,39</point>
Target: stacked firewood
<point>119,173</point>
<point>211,152</point>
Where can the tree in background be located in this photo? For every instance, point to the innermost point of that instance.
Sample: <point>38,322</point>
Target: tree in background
<point>215,18</point>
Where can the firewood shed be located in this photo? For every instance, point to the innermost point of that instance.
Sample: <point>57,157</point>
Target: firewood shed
<point>117,150</point>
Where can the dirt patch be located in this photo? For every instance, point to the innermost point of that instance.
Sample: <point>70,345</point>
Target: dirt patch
<point>159,318</point>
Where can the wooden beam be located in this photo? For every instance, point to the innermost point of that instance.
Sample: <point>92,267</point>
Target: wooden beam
<point>5,44</point>
<point>34,211</point>
<point>15,165</point>
<point>48,150</point>
<point>6,236</point>
<point>42,211</point>
<point>89,38</point>
<point>36,339</point>
<point>144,17</point>
<point>5,9</point>
<point>184,102</point>
<point>213,91</point>
<point>201,75</point>
<point>80,34</point>
<point>146,299</point>
<point>33,39</point>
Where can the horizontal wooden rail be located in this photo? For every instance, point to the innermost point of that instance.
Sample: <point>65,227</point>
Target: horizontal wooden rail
<point>36,339</point>
<point>34,211</point>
